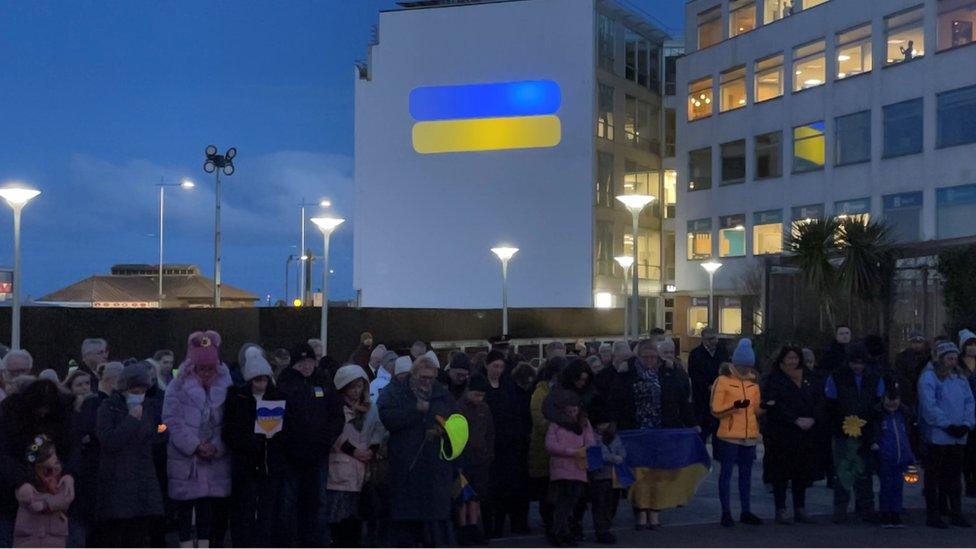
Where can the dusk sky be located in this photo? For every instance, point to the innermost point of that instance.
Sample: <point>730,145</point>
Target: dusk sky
<point>102,99</point>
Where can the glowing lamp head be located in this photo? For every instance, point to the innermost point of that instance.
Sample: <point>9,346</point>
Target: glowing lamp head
<point>635,202</point>
<point>327,224</point>
<point>296,302</point>
<point>625,261</point>
<point>325,203</point>
<point>504,252</point>
<point>18,196</point>
<point>711,266</point>
<point>603,300</point>
<point>187,184</point>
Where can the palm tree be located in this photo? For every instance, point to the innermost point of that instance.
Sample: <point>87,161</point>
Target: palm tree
<point>813,243</point>
<point>866,252</point>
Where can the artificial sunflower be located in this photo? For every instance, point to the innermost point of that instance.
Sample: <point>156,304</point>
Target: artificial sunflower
<point>852,426</point>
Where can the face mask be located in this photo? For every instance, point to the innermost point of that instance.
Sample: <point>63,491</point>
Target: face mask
<point>134,400</point>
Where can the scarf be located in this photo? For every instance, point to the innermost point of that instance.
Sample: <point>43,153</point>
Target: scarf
<point>647,398</point>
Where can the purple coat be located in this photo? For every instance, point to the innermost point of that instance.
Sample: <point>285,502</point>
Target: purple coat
<point>184,413</point>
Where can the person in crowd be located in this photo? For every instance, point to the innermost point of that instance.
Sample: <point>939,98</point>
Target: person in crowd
<point>909,364</point>
<point>478,363</point>
<point>853,394</point>
<point>94,353</point>
<point>375,361</point>
<point>538,456</point>
<point>476,459</point>
<point>256,459</point>
<point>313,422</point>
<point>735,402</point>
<point>603,380</point>
<point>243,354</point>
<point>566,442</point>
<point>163,362</point>
<point>510,407</point>
<point>82,513</point>
<point>809,359</point>
<point>835,355</point>
<point>946,410</point>
<point>602,495</point>
<point>50,375</point>
<point>605,352</point>
<point>456,376</point>
<point>703,365</point>
<point>877,355</point>
<point>421,481</point>
<point>129,500</point>
<point>360,356</point>
<point>317,347</point>
<point>669,353</point>
<point>554,349</point>
<point>524,377</point>
<point>197,460</point>
<point>41,519</point>
<point>280,360</point>
<point>18,364</point>
<point>78,383</point>
<point>595,364</point>
<point>41,408</point>
<point>383,376</point>
<point>651,395</point>
<point>580,349</point>
<point>795,405</point>
<point>967,365</point>
<point>894,456</point>
<point>418,349</point>
<point>348,458</point>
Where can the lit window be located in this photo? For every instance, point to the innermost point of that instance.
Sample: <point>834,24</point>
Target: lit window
<point>605,191</point>
<point>769,78</point>
<point>700,239</point>
<point>852,143</point>
<point>904,36</point>
<point>733,162</point>
<point>859,209</point>
<point>604,124</point>
<point>640,124</point>
<point>902,128</point>
<point>648,253</point>
<point>955,24</point>
<point>956,117</point>
<point>603,300</point>
<point>697,320</point>
<point>732,235</point>
<point>700,169</point>
<point>710,27</point>
<point>605,42</point>
<point>854,51</point>
<point>767,232</point>
<point>670,192</point>
<point>954,211</point>
<point>769,155</point>
<point>730,320</point>
<point>742,16</point>
<point>805,214</point>
<point>808,147</point>
<point>903,213</point>
<point>732,89</point>
<point>809,65</point>
<point>638,179</point>
<point>700,99</point>
<point>776,9</point>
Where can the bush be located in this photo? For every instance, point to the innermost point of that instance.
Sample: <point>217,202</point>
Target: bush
<point>958,269</point>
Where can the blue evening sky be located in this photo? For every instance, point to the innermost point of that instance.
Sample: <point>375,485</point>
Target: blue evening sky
<point>101,99</point>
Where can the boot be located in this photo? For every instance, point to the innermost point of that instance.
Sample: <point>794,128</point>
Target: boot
<point>800,516</point>
<point>727,521</point>
<point>781,517</point>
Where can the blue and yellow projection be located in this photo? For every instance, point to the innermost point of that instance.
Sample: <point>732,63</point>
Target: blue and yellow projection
<point>486,117</point>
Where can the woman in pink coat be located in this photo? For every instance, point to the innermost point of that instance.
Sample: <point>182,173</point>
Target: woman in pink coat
<point>566,442</point>
<point>197,463</point>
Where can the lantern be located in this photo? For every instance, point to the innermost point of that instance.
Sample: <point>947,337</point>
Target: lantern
<point>911,475</point>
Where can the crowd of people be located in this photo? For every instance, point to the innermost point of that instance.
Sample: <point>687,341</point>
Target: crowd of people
<point>294,449</point>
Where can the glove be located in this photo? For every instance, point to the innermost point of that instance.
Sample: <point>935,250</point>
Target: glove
<point>741,403</point>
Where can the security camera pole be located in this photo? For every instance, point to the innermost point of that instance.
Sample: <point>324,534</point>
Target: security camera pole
<point>216,163</point>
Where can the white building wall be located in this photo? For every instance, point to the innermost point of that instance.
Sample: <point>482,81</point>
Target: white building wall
<point>425,223</point>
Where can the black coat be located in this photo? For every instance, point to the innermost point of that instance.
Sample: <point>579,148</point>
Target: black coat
<point>854,400</point>
<point>85,438</point>
<point>313,418</point>
<point>908,366</point>
<point>421,482</point>
<point>834,357</point>
<point>511,413</point>
<point>703,368</point>
<point>676,407</point>
<point>251,453</point>
<point>792,453</point>
<point>127,483</point>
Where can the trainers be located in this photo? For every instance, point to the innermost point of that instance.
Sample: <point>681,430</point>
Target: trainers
<point>749,518</point>
<point>781,517</point>
<point>959,521</point>
<point>606,538</point>
<point>727,520</point>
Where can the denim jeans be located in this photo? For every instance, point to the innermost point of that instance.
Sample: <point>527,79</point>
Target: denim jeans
<point>301,498</point>
<point>734,455</point>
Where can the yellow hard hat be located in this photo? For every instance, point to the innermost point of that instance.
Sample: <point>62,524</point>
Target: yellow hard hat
<point>456,427</point>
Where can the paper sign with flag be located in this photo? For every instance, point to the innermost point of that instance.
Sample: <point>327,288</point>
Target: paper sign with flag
<point>270,417</point>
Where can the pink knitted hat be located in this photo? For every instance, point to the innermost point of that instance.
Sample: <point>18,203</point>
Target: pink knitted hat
<point>203,348</point>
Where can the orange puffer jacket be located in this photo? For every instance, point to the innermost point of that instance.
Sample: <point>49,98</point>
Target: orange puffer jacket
<point>736,423</point>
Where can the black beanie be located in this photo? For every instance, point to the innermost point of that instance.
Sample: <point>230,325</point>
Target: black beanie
<point>460,361</point>
<point>301,352</point>
<point>494,355</point>
<point>479,383</point>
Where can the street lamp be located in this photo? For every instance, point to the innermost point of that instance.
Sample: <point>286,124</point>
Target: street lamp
<point>17,198</point>
<point>625,261</point>
<point>303,253</point>
<point>711,267</point>
<point>217,163</point>
<point>326,225</point>
<point>185,184</point>
<point>505,254</point>
<point>635,203</point>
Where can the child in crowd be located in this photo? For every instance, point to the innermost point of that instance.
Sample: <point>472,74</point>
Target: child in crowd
<point>41,519</point>
<point>566,442</point>
<point>477,457</point>
<point>602,492</point>
<point>894,457</point>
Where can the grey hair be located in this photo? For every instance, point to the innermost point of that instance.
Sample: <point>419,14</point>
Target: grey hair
<point>314,341</point>
<point>423,361</point>
<point>110,370</point>
<point>18,353</point>
<point>666,343</point>
<point>646,344</point>
<point>621,347</point>
<point>92,344</point>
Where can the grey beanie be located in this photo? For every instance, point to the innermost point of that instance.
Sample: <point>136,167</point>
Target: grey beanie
<point>134,375</point>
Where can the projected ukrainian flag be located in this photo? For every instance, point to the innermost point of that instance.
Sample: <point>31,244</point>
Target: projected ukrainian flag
<point>486,117</point>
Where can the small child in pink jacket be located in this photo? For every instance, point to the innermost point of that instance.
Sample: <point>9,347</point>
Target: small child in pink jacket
<point>41,519</point>
<point>566,442</point>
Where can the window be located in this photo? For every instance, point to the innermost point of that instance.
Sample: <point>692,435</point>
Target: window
<point>732,89</point>
<point>732,235</point>
<point>670,130</point>
<point>769,155</point>
<point>639,179</point>
<point>700,239</point>
<point>903,128</point>
<point>700,169</point>
<point>955,24</point>
<point>807,213</point>
<point>641,58</point>
<point>671,55</point>
<point>604,248</point>
<point>903,213</point>
<point>742,16</point>
<point>854,51</point>
<point>808,147</point>
<point>809,65</point>
<point>954,211</point>
<point>604,122</point>
<point>710,27</point>
<point>605,40</point>
<point>639,124</point>
<point>956,117</point>
<point>697,319</point>
<point>730,316</point>
<point>605,191</point>
<point>733,162</point>
<point>700,99</point>
<point>852,141</point>
<point>904,36</point>
<point>648,253</point>
<point>769,78</point>
<point>776,9</point>
<point>859,208</point>
<point>767,232</point>
<point>670,192</point>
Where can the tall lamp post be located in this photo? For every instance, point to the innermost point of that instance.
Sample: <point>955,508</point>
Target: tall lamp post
<point>505,254</point>
<point>217,163</point>
<point>17,198</point>
<point>625,262</point>
<point>303,253</point>
<point>185,184</point>
<point>711,267</point>
<point>326,225</point>
<point>635,203</point>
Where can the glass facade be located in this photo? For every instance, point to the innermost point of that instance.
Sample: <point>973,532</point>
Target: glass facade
<point>641,61</point>
<point>902,128</point>
<point>742,16</point>
<point>604,122</point>
<point>769,78</point>
<point>640,124</point>
<point>605,42</point>
<point>710,27</point>
<point>903,213</point>
<point>854,51</point>
<point>904,36</point>
<point>605,189</point>
<point>954,211</point>
<point>732,89</point>
<point>639,179</point>
<point>852,142</point>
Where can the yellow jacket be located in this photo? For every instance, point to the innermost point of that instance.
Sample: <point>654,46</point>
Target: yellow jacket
<point>735,423</point>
